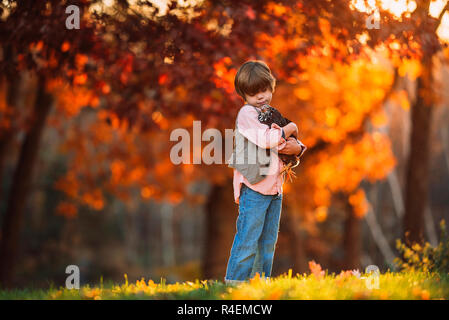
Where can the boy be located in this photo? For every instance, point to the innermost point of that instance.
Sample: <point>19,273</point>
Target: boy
<point>259,196</point>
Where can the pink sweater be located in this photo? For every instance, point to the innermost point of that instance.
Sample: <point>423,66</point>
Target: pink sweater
<point>267,138</point>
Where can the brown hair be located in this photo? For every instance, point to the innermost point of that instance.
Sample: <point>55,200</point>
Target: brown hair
<point>252,77</point>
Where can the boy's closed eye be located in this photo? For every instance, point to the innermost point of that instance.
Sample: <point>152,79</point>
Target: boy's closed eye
<point>252,95</point>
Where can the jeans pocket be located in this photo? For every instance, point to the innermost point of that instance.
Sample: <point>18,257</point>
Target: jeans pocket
<point>243,188</point>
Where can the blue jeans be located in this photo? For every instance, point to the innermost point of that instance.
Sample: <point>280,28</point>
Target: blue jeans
<point>257,232</point>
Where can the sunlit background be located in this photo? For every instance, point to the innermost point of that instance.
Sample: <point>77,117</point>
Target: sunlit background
<point>86,116</point>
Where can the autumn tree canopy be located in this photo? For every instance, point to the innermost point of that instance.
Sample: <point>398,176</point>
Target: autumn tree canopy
<point>136,75</point>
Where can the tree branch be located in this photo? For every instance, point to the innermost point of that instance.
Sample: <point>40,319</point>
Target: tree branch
<point>440,17</point>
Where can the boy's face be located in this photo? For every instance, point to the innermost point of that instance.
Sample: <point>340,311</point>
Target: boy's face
<point>260,98</point>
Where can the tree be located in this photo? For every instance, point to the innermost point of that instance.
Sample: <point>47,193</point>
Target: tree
<point>410,32</point>
<point>139,90</point>
<point>110,56</point>
<point>24,52</point>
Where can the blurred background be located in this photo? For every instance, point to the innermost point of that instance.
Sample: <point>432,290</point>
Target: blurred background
<point>87,108</point>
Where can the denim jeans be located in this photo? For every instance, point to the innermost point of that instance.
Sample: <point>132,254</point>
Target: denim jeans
<point>257,232</point>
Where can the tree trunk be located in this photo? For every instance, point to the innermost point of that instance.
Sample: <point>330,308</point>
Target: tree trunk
<point>352,238</point>
<point>221,219</point>
<point>167,235</point>
<point>12,82</point>
<point>417,180</point>
<point>13,219</point>
<point>290,225</point>
<point>5,141</point>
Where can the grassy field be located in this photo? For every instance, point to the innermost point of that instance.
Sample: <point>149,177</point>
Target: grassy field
<point>423,275</point>
<point>317,285</point>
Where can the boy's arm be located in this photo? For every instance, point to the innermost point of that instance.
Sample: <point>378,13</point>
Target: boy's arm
<point>290,130</point>
<point>258,133</point>
<point>293,146</point>
<point>295,133</point>
<point>303,148</point>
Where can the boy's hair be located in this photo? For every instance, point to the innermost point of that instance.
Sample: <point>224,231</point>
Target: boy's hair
<point>252,77</point>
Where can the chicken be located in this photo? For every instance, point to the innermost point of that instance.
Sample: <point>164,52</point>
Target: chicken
<point>269,115</point>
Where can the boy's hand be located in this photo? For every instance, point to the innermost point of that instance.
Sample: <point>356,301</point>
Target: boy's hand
<point>291,129</point>
<point>291,147</point>
<point>275,125</point>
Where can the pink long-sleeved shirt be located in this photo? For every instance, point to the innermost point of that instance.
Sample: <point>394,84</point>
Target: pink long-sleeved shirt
<point>267,138</point>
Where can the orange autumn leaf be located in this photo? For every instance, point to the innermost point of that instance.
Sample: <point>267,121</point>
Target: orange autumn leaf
<point>94,199</point>
<point>316,269</point>
<point>81,60</point>
<point>275,294</point>
<point>67,210</point>
<point>163,79</point>
<point>105,88</point>
<point>68,184</point>
<point>250,13</point>
<point>321,213</point>
<point>80,79</point>
<point>117,168</point>
<point>36,46</point>
<point>359,203</point>
<point>277,9</point>
<point>224,76</point>
<point>255,279</point>
<point>65,46</point>
<point>146,192</point>
<point>175,198</point>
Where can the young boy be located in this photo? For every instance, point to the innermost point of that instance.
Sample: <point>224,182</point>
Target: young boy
<point>259,196</point>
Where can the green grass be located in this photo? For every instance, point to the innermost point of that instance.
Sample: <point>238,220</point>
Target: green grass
<point>392,285</point>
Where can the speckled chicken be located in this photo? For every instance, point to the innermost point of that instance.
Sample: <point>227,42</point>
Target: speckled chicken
<point>270,115</point>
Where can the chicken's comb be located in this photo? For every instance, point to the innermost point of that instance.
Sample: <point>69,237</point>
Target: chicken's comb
<point>265,107</point>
